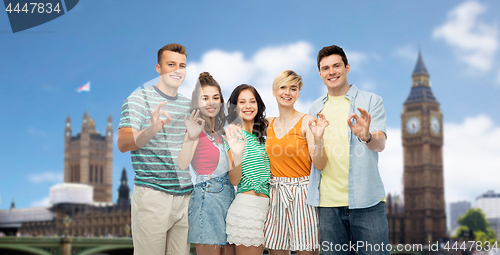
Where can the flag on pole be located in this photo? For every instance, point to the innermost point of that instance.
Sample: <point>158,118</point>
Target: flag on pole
<point>85,87</point>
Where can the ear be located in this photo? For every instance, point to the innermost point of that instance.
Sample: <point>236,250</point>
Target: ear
<point>319,72</point>
<point>158,68</point>
<point>274,93</point>
<point>347,68</point>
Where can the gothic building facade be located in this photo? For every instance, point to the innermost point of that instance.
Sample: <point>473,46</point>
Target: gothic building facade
<point>88,160</point>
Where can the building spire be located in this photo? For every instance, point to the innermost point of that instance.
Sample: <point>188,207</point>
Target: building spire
<point>420,66</point>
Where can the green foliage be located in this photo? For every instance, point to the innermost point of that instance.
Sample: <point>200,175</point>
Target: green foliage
<point>474,219</point>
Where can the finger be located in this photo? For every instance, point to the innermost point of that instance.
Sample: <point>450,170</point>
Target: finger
<point>349,122</point>
<point>369,119</point>
<point>197,114</point>
<point>202,121</point>
<point>239,130</point>
<point>164,113</point>
<point>363,112</point>
<point>354,115</point>
<point>185,119</point>
<point>312,123</point>
<point>191,117</point>
<point>159,106</point>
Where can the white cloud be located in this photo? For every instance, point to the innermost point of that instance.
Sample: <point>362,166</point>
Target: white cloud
<point>46,177</point>
<point>470,159</point>
<point>36,132</point>
<point>42,202</point>
<point>475,42</point>
<point>407,52</point>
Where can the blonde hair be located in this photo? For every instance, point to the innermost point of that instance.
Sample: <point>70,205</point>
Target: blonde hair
<point>287,77</point>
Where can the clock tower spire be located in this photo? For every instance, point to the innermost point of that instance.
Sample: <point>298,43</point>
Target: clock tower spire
<point>422,137</point>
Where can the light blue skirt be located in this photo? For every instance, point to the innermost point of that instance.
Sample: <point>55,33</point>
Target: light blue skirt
<point>208,207</point>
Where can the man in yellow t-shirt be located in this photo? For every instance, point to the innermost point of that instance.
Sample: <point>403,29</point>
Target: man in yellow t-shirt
<point>349,191</point>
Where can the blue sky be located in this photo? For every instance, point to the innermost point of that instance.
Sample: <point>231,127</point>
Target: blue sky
<point>113,44</point>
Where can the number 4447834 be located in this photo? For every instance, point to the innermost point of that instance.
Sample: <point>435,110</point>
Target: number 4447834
<point>476,245</point>
<point>40,8</point>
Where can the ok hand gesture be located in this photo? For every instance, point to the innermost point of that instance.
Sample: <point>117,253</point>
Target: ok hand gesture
<point>362,127</point>
<point>155,122</point>
<point>194,125</point>
<point>318,126</point>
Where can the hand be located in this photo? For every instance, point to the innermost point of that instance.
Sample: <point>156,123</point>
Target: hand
<point>362,127</point>
<point>155,122</point>
<point>318,126</point>
<point>235,139</point>
<point>195,124</point>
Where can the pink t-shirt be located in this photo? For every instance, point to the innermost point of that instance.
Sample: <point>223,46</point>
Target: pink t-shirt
<point>206,156</point>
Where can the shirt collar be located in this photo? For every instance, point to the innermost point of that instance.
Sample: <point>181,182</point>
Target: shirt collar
<point>351,93</point>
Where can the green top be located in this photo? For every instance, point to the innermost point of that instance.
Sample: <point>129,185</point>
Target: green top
<point>255,168</point>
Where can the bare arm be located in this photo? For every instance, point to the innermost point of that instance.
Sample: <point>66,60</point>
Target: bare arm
<point>130,139</point>
<point>194,127</point>
<point>236,142</point>
<point>314,136</point>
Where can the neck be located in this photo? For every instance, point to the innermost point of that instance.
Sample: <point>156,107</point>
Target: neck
<point>286,113</point>
<point>168,90</point>
<point>248,126</point>
<point>340,91</point>
<point>209,124</point>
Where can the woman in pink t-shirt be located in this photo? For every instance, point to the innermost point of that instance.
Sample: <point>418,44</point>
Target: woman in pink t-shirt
<point>204,149</point>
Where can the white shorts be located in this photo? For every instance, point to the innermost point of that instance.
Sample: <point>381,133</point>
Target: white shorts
<point>291,224</point>
<point>245,220</point>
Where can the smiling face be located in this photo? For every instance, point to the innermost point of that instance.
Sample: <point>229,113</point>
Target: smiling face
<point>172,69</point>
<point>334,74</point>
<point>209,102</point>
<point>246,106</point>
<point>286,95</point>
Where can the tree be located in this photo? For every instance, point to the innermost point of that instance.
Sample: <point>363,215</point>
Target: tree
<point>475,220</point>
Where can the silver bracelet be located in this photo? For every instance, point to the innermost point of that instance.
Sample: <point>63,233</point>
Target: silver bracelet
<point>319,147</point>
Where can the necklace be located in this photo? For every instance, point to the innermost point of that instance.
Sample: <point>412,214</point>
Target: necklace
<point>210,137</point>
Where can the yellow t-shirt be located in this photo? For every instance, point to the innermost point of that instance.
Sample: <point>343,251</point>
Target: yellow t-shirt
<point>334,186</point>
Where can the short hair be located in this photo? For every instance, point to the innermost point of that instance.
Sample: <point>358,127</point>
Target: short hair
<point>175,47</point>
<point>331,50</point>
<point>260,123</point>
<point>206,80</point>
<point>287,77</point>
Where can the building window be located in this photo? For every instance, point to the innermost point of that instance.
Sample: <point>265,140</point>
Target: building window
<point>101,174</point>
<point>95,174</point>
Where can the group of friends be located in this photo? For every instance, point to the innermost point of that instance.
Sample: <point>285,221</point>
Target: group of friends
<point>304,182</point>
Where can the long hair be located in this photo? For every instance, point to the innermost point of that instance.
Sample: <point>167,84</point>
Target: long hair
<point>206,80</point>
<point>259,122</point>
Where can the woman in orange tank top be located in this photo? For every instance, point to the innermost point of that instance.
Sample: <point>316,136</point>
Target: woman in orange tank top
<point>294,140</point>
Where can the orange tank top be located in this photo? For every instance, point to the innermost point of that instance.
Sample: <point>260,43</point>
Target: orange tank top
<point>289,155</point>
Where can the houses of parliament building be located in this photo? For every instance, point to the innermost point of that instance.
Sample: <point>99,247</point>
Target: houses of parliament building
<point>82,205</point>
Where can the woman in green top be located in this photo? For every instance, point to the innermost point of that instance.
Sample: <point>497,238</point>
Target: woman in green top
<point>251,171</point>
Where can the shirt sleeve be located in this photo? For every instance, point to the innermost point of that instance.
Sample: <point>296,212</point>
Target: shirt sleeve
<point>133,113</point>
<point>378,117</point>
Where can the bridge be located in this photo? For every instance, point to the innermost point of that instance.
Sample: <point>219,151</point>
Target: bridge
<point>65,246</point>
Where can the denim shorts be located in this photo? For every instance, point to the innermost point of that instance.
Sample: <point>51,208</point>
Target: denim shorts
<point>208,207</point>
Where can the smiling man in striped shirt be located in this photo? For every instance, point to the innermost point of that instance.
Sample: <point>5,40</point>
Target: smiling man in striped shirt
<point>152,129</point>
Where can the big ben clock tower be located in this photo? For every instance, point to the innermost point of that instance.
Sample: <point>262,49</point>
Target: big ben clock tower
<point>422,136</point>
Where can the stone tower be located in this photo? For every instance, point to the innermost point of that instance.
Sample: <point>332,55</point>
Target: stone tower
<point>422,137</point>
<point>88,157</point>
<point>123,191</point>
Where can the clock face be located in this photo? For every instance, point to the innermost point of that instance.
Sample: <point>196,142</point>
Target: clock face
<point>435,125</point>
<point>68,133</point>
<point>413,125</point>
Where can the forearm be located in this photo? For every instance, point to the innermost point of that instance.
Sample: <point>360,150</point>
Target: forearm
<point>187,151</point>
<point>318,154</point>
<point>378,141</point>
<point>235,172</point>
<point>130,139</point>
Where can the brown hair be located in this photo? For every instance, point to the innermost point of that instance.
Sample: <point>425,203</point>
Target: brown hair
<point>331,50</point>
<point>175,47</point>
<point>205,80</point>
<point>259,123</point>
